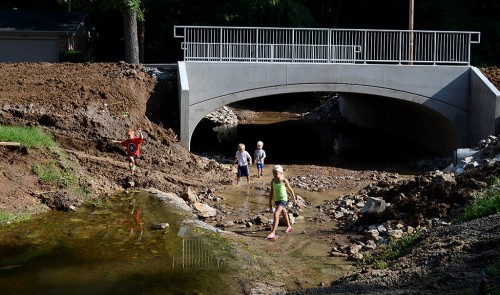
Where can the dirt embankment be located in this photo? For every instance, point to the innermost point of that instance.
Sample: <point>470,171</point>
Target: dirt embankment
<point>85,107</point>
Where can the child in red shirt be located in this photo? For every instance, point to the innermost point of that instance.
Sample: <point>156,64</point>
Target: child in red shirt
<point>132,147</point>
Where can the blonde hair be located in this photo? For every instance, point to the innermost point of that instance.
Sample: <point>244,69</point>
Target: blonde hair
<point>241,147</point>
<point>260,143</point>
<point>130,131</point>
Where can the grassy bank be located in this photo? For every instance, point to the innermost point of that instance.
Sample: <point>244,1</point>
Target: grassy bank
<point>57,171</point>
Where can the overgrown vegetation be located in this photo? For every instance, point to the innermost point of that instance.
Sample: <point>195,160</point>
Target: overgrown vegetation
<point>484,203</point>
<point>395,249</point>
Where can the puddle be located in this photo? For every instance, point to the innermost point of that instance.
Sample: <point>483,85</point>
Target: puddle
<point>114,248</point>
<point>246,199</point>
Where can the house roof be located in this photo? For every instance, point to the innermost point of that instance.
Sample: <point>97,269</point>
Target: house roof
<point>38,21</point>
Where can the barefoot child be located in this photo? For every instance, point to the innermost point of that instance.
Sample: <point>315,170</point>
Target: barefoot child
<point>259,155</point>
<point>243,159</point>
<point>132,147</point>
<point>278,193</point>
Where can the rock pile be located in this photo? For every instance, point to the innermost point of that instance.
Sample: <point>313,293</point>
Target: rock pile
<point>392,207</point>
<point>223,116</point>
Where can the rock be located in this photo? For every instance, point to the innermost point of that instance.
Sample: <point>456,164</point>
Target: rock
<point>395,233</point>
<point>162,225</point>
<point>189,196</point>
<point>338,254</point>
<point>373,206</point>
<point>356,256</point>
<point>204,210</point>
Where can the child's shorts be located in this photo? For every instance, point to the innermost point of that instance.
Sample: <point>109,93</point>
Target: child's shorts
<point>260,165</point>
<point>242,171</point>
<point>281,203</point>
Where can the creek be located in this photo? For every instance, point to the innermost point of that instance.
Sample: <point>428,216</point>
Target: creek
<point>112,247</point>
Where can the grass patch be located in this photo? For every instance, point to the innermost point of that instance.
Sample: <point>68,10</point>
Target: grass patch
<point>493,274</point>
<point>81,191</point>
<point>55,171</point>
<point>395,249</point>
<point>9,218</point>
<point>27,136</point>
<point>52,172</point>
<point>494,270</point>
<point>484,203</point>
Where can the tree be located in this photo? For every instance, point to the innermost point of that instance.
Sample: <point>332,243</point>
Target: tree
<point>130,11</point>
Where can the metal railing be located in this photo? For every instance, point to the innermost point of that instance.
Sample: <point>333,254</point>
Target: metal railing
<point>304,45</point>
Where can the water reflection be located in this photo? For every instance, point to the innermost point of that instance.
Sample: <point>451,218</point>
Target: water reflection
<point>136,225</point>
<point>195,254</point>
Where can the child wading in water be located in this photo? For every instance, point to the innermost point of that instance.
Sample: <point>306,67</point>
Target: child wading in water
<point>259,155</point>
<point>132,146</point>
<point>279,186</point>
<point>243,159</point>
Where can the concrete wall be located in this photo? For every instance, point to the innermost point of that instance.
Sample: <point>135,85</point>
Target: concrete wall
<point>435,97</point>
<point>484,108</point>
<point>413,122</point>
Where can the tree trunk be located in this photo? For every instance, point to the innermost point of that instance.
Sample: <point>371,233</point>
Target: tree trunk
<point>130,36</point>
<point>142,34</point>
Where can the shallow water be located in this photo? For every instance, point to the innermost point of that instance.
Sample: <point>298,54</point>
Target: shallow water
<point>113,249</point>
<point>291,140</point>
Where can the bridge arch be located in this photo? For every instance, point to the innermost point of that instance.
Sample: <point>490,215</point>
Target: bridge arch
<point>415,119</point>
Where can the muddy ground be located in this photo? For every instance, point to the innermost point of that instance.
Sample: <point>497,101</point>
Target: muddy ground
<point>86,106</point>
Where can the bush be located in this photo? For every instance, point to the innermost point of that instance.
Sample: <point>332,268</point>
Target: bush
<point>74,56</point>
<point>484,203</point>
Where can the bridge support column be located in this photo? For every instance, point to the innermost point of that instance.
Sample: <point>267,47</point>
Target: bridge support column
<point>184,105</point>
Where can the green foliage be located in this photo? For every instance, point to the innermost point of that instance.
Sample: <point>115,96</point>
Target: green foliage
<point>9,218</point>
<point>396,248</point>
<point>493,274</point>
<point>484,203</point>
<point>52,172</point>
<point>494,270</point>
<point>81,191</point>
<point>27,136</point>
<point>72,56</point>
<point>381,264</point>
<point>98,203</point>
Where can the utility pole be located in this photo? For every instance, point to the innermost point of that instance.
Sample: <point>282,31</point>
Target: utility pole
<point>412,4</point>
<point>69,4</point>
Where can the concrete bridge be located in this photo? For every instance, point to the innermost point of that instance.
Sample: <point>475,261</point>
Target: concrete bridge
<point>425,92</point>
